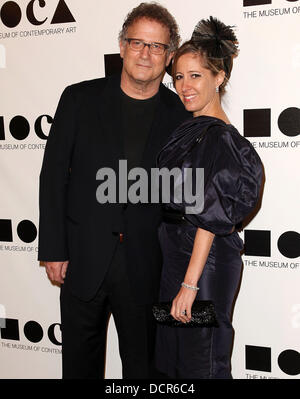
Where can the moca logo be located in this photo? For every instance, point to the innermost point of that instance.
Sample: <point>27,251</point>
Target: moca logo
<point>26,230</point>
<point>249,3</point>
<point>258,243</point>
<point>257,122</point>
<point>19,127</point>
<point>32,330</point>
<point>11,13</point>
<point>259,358</point>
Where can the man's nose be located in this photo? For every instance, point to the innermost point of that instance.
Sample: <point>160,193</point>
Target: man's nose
<point>145,53</point>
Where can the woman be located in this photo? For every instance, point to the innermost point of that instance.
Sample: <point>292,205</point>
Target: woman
<point>202,250</point>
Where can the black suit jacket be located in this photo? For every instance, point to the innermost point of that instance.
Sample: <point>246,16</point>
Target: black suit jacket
<point>84,137</point>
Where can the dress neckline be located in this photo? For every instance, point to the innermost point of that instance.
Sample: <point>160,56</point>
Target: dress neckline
<point>211,117</point>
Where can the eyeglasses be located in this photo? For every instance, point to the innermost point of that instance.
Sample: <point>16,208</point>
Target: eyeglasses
<point>154,48</point>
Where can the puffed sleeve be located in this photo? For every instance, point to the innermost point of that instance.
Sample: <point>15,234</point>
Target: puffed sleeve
<point>232,180</point>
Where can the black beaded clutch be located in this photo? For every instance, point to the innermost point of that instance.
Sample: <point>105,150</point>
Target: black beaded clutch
<point>203,315</point>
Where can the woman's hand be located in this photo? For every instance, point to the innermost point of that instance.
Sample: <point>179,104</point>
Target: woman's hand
<point>182,304</point>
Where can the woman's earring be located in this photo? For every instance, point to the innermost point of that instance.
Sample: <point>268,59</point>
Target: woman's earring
<point>217,90</point>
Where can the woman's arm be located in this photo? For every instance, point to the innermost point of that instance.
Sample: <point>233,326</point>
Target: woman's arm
<point>186,296</point>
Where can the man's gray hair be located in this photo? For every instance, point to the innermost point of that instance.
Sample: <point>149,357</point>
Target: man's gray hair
<point>155,12</point>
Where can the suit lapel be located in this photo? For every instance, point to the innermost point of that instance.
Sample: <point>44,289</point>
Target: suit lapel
<point>110,117</point>
<point>158,133</point>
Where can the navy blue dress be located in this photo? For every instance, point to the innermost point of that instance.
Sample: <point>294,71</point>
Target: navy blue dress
<point>232,181</point>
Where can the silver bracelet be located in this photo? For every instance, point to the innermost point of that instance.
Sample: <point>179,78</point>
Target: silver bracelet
<point>191,287</point>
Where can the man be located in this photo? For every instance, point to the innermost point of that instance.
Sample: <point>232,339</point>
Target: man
<point>107,256</point>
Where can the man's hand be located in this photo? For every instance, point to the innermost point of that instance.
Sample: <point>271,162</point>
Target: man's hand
<point>56,271</point>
